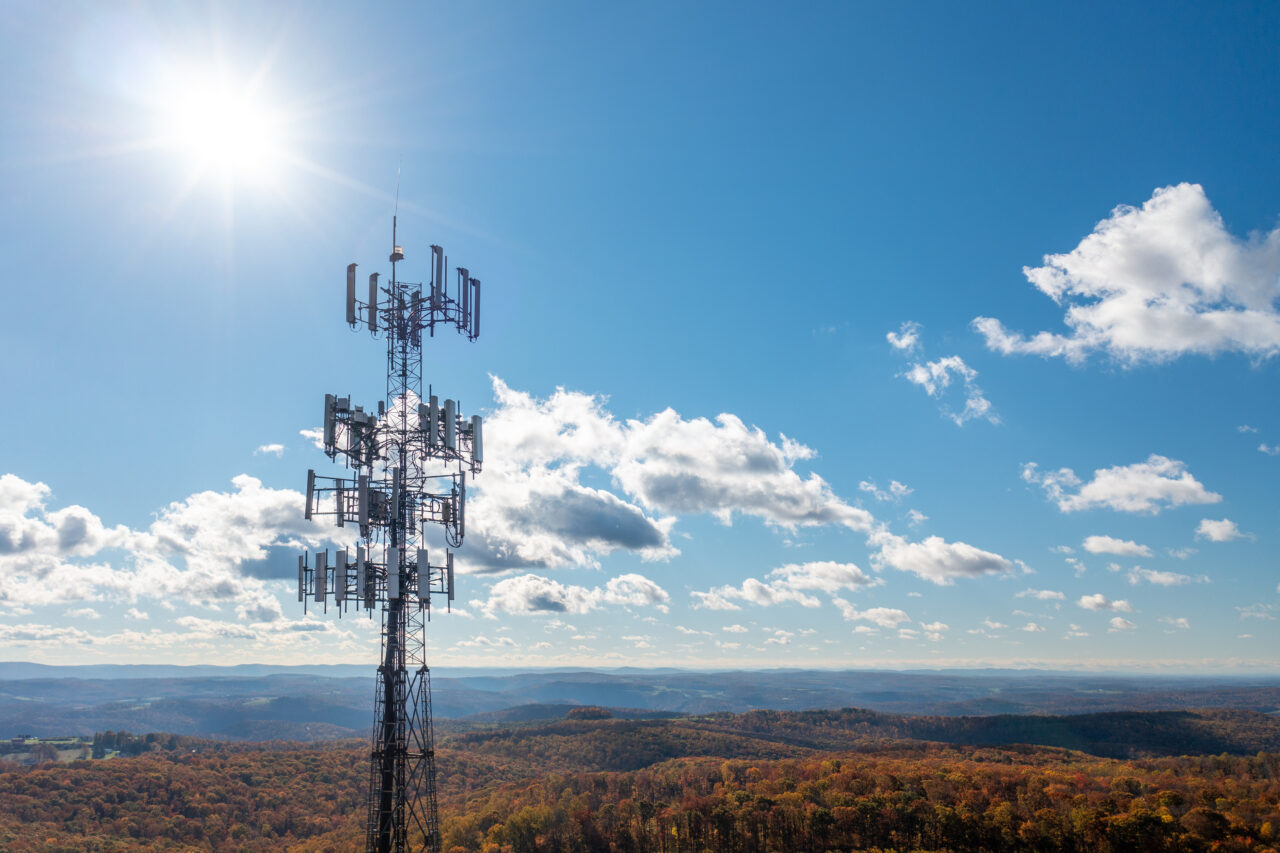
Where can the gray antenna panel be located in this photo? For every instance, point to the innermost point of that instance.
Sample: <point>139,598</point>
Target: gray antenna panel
<point>302,577</point>
<point>311,487</point>
<point>361,576</point>
<point>339,576</point>
<point>362,502</point>
<point>322,572</point>
<point>393,572</point>
<point>477,438</point>
<point>373,302</point>
<point>330,420</point>
<point>449,572</point>
<point>424,575</point>
<point>462,504</point>
<point>437,281</point>
<point>433,421</point>
<point>351,294</point>
<point>450,424</point>
<point>475,309</point>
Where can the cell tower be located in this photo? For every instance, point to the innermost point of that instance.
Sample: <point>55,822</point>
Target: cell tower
<point>409,464</point>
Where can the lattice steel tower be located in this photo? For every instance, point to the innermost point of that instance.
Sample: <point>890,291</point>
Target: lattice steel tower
<point>409,463</point>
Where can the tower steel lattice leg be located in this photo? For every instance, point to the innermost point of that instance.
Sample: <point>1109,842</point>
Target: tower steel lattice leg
<point>403,810</point>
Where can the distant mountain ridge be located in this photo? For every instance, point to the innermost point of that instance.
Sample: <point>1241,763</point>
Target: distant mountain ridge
<point>258,701</point>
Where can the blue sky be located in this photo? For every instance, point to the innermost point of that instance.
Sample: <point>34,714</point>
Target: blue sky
<point>762,356</point>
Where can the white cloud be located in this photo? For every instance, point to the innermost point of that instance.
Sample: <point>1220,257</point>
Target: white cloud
<point>936,376</point>
<point>1098,601</point>
<point>1152,576</point>
<point>1223,530</point>
<point>1032,628</point>
<point>907,338</point>
<point>276,450</point>
<point>994,625</point>
<point>1257,611</point>
<point>915,518</point>
<point>896,491</point>
<point>1157,282</point>
<point>1041,594</point>
<point>1119,623</point>
<point>1245,428</point>
<point>885,617</point>
<point>532,593</point>
<point>734,629</point>
<point>83,613</point>
<point>1148,486</point>
<point>481,642</point>
<point>934,631</point>
<point>1110,545</point>
<point>197,551</point>
<point>136,614</point>
<point>788,583</point>
<point>532,509</point>
<point>935,559</point>
<point>1269,449</point>
<point>1179,622</point>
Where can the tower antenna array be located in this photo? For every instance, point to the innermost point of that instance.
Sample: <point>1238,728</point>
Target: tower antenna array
<point>409,462</point>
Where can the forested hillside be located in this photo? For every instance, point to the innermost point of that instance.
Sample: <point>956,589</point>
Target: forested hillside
<point>813,781</point>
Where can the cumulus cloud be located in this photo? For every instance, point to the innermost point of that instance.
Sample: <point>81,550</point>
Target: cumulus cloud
<point>532,508</point>
<point>1223,530</point>
<point>1110,545</point>
<point>276,450</point>
<point>935,378</point>
<point>885,617</point>
<point>789,583</point>
<point>1269,449</point>
<point>1156,282</point>
<point>1179,622</point>
<point>935,559</point>
<point>1152,576</point>
<point>1032,628</point>
<point>1041,594</point>
<point>1119,623</point>
<point>532,593</point>
<point>934,631</point>
<point>896,491</point>
<point>194,552</point>
<point>1098,601</point>
<point>1150,486</point>
<point>915,518</point>
<point>907,338</point>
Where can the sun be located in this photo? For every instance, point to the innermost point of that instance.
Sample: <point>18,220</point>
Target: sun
<point>219,126</point>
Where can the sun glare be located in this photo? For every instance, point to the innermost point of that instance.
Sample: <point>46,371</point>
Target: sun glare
<point>221,128</point>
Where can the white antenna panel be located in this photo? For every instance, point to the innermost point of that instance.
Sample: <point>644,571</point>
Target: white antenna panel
<point>477,439</point>
<point>393,572</point>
